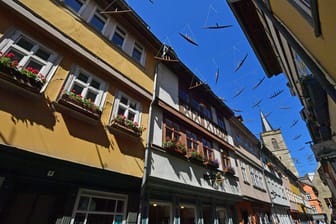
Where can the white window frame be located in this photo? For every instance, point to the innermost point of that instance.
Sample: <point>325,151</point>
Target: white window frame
<point>99,194</point>
<point>95,12</point>
<point>49,66</point>
<point>72,79</point>
<point>138,110</point>
<point>141,49</point>
<point>121,31</point>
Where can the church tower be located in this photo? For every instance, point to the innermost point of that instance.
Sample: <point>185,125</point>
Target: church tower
<point>274,141</point>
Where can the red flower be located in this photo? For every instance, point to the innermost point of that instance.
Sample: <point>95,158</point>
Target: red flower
<point>9,55</point>
<point>136,123</point>
<point>35,71</point>
<point>74,91</point>
<point>29,69</point>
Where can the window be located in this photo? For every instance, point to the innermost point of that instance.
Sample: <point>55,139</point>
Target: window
<point>98,21</point>
<point>88,86</point>
<point>99,207</point>
<point>207,150</point>
<point>75,5</point>
<point>159,213</point>
<point>30,53</point>
<point>257,178</point>
<point>126,106</point>
<point>192,143</point>
<point>172,131</point>
<point>309,10</point>
<point>275,144</point>
<point>221,123</point>
<point>243,168</point>
<point>118,37</point>
<point>137,52</point>
<point>226,159</point>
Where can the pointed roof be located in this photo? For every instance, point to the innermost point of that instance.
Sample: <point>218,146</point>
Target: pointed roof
<point>266,126</point>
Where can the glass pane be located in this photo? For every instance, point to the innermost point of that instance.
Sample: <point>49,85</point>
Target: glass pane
<point>99,219</point>
<point>80,218</point>
<point>133,106</point>
<point>118,39</point>
<point>76,89</point>
<point>131,116</point>
<point>82,77</point>
<point>169,134</point>
<point>83,203</point>
<point>121,111</point>
<point>120,207</point>
<point>74,4</point>
<point>159,214</point>
<point>97,22</point>
<point>102,204</point>
<point>42,54</point>
<point>17,55</point>
<point>92,96</point>
<point>95,84</point>
<point>34,65</point>
<point>26,44</point>
<point>124,100</point>
<point>136,54</point>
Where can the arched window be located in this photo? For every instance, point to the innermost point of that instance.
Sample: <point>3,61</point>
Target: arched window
<point>275,144</point>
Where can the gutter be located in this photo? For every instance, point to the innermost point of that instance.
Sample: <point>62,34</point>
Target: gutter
<point>314,68</point>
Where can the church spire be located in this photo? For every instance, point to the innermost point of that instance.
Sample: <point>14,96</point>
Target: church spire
<point>266,126</point>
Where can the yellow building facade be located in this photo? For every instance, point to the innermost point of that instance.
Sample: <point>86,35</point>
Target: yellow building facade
<point>75,100</point>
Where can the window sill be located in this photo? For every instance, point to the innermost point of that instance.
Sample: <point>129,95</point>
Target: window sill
<point>66,105</point>
<point>14,81</point>
<point>121,129</point>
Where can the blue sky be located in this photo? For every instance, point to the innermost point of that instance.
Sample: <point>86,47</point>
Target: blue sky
<point>223,49</point>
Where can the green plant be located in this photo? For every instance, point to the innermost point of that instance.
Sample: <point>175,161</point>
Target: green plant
<point>169,144</point>
<point>7,60</point>
<point>197,155</point>
<point>121,119</point>
<point>86,103</point>
<point>181,147</point>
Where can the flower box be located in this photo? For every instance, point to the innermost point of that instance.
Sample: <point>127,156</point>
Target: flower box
<point>12,79</point>
<point>78,110</point>
<point>19,79</point>
<point>119,128</point>
<point>174,148</point>
<point>197,158</point>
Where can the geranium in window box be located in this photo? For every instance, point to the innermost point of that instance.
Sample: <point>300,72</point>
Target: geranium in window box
<point>197,157</point>
<point>121,125</point>
<point>175,147</point>
<point>26,78</point>
<point>229,170</point>
<point>212,163</point>
<point>75,102</point>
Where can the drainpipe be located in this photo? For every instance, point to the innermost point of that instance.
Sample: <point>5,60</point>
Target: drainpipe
<point>314,68</point>
<point>147,159</point>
